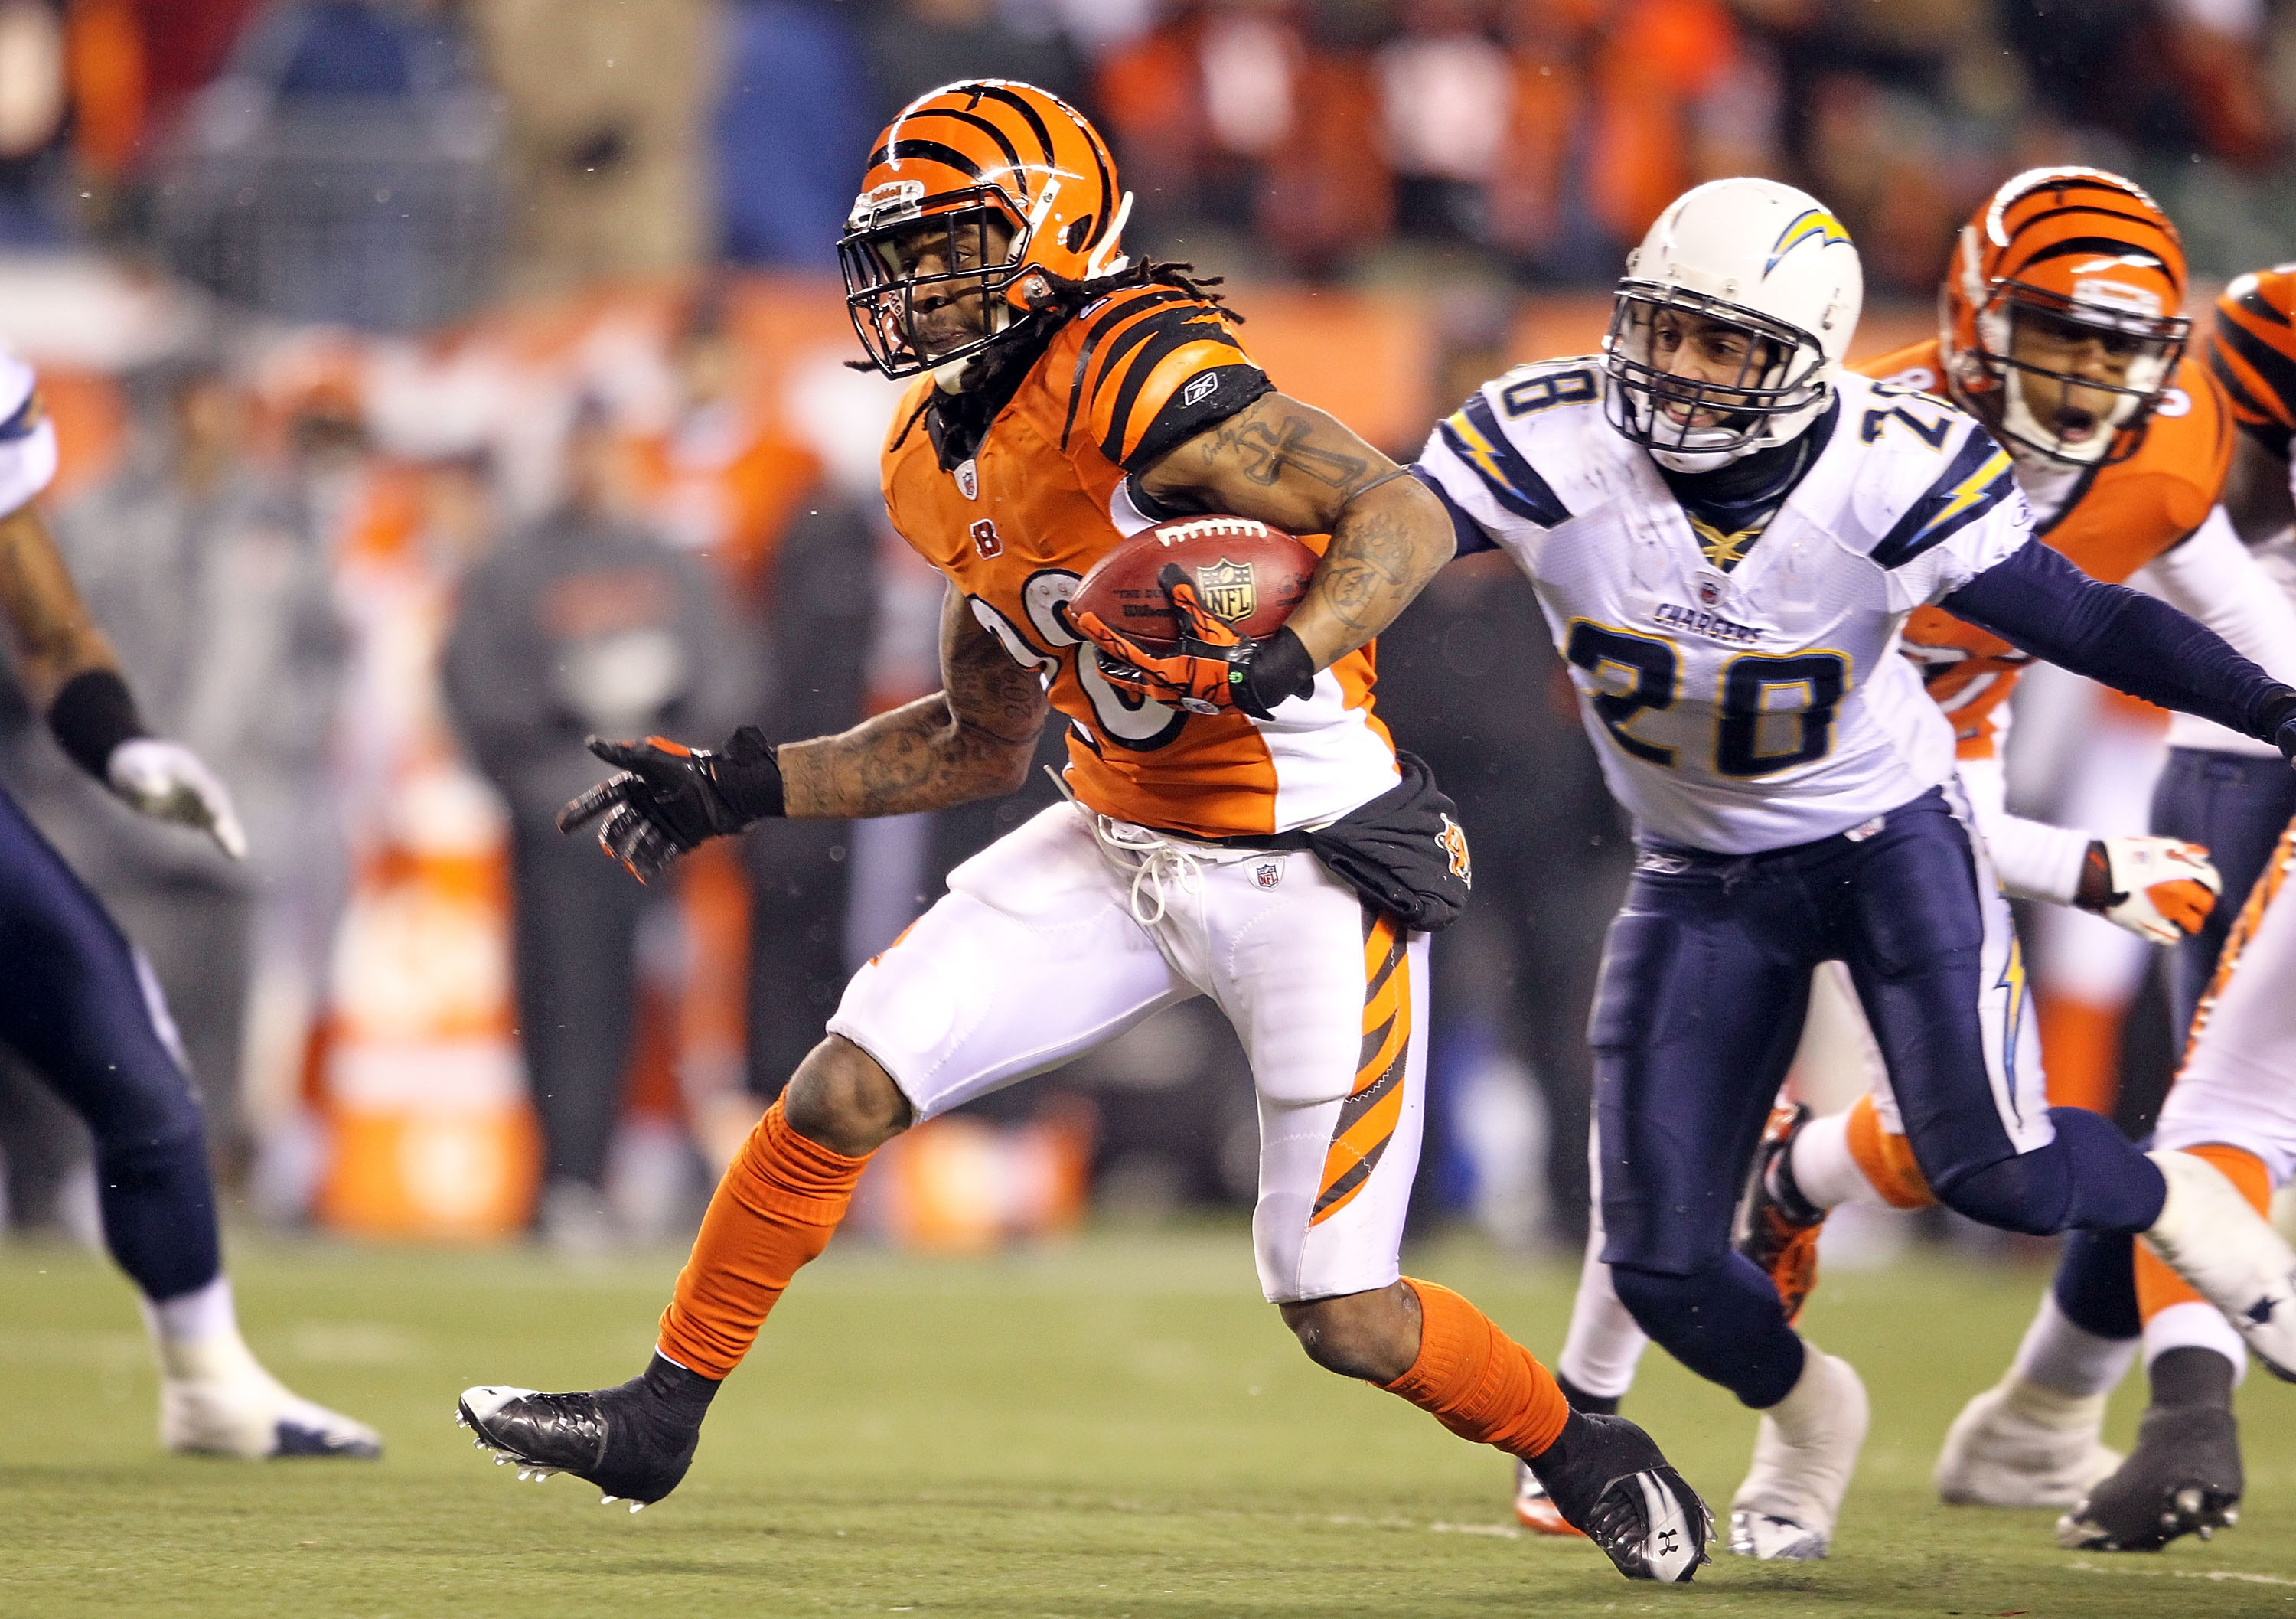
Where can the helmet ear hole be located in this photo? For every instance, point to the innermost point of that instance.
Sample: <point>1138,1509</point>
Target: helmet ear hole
<point>1077,234</point>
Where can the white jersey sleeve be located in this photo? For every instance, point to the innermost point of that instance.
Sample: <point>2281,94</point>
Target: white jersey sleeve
<point>1475,465</point>
<point>1967,515</point>
<point>27,438</point>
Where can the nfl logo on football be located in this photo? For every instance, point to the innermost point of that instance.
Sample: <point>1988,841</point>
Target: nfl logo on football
<point>1226,588</point>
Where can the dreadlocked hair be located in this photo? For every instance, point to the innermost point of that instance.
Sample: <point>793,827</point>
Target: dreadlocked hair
<point>1069,296</point>
<point>1066,297</point>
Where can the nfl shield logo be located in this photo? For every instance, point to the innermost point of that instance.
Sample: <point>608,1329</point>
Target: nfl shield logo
<point>1708,592</point>
<point>1226,588</point>
<point>968,480</point>
<point>1267,873</point>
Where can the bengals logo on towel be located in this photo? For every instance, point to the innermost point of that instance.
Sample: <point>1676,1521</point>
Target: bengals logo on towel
<point>1452,841</point>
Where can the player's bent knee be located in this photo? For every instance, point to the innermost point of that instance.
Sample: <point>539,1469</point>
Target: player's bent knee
<point>842,1099</point>
<point>1372,1335</point>
<point>2026,1192</point>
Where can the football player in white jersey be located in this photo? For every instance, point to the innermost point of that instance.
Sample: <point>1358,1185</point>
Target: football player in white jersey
<point>1726,534</point>
<point>2026,277</point>
<point>82,1008</point>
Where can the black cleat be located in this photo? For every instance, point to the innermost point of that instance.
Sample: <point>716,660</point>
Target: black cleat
<point>1609,1481</point>
<point>1778,1226</point>
<point>2184,1477</point>
<point>635,1443</point>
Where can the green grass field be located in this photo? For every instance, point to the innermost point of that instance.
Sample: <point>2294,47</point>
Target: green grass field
<point>1116,1426</point>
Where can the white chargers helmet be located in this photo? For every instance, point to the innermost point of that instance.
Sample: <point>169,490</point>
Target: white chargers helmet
<point>1769,263</point>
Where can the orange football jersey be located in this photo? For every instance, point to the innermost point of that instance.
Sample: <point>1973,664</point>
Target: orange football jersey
<point>1044,497</point>
<point>2119,518</point>
<point>2252,352</point>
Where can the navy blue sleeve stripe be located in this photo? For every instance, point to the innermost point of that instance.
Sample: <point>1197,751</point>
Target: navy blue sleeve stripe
<point>1467,534</point>
<point>1945,528</point>
<point>1473,435</point>
<point>2036,600</point>
<point>1974,482</point>
<point>25,422</point>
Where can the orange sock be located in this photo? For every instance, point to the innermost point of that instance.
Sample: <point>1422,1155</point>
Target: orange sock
<point>1478,1382</point>
<point>2157,1286</point>
<point>1886,1160</point>
<point>2080,1051</point>
<point>781,1199</point>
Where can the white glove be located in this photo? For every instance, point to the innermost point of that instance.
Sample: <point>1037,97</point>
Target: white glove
<point>2159,889</point>
<point>169,782</point>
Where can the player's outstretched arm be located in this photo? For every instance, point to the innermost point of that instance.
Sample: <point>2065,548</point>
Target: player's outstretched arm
<point>972,739</point>
<point>1293,467</point>
<point>2041,604</point>
<point>71,674</point>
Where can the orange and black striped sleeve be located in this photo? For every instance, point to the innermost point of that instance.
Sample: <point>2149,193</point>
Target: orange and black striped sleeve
<point>1154,367</point>
<point>2252,352</point>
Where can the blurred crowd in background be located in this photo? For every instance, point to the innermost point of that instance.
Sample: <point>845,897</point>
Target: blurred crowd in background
<point>442,380</point>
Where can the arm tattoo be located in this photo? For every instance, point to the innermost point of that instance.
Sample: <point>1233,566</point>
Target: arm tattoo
<point>971,740</point>
<point>1268,453</point>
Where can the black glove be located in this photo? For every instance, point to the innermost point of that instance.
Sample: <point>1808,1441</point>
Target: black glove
<point>669,798</point>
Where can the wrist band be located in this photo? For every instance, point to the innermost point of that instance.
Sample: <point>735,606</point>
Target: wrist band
<point>1280,668</point>
<point>2273,712</point>
<point>748,776</point>
<point>92,715</point>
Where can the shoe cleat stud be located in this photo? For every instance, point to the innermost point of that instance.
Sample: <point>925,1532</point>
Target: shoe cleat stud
<point>636,1508</point>
<point>2231,1516</point>
<point>608,1500</point>
<point>2207,1532</point>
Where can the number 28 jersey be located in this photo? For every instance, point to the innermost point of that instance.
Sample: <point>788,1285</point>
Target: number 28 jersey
<point>1766,706</point>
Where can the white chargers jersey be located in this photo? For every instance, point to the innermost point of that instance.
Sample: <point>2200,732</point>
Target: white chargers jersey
<point>1767,706</point>
<point>28,440</point>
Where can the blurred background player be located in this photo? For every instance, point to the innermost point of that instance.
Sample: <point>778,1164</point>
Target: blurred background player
<point>86,1012</point>
<point>2062,330</point>
<point>1807,811</point>
<point>1068,397</point>
<point>582,623</point>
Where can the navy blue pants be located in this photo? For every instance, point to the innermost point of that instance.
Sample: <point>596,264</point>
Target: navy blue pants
<point>76,1007</point>
<point>2235,805</point>
<point>1705,982</point>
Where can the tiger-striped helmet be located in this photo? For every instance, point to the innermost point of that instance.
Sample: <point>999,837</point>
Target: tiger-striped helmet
<point>2083,257</point>
<point>979,198</point>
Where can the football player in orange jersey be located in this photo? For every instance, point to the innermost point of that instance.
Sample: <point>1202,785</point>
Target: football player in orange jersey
<point>2062,331</point>
<point>2234,1100</point>
<point>1067,397</point>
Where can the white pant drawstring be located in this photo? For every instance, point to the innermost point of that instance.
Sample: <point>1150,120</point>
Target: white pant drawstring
<point>1153,861</point>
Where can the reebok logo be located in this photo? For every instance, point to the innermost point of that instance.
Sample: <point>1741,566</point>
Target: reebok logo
<point>1201,389</point>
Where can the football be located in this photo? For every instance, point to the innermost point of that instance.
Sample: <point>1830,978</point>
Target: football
<point>1247,573</point>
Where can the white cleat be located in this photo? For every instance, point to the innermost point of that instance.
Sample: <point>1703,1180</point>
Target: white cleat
<point>2208,1235</point>
<point>2024,1444</point>
<point>1805,1450</point>
<point>224,1403</point>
